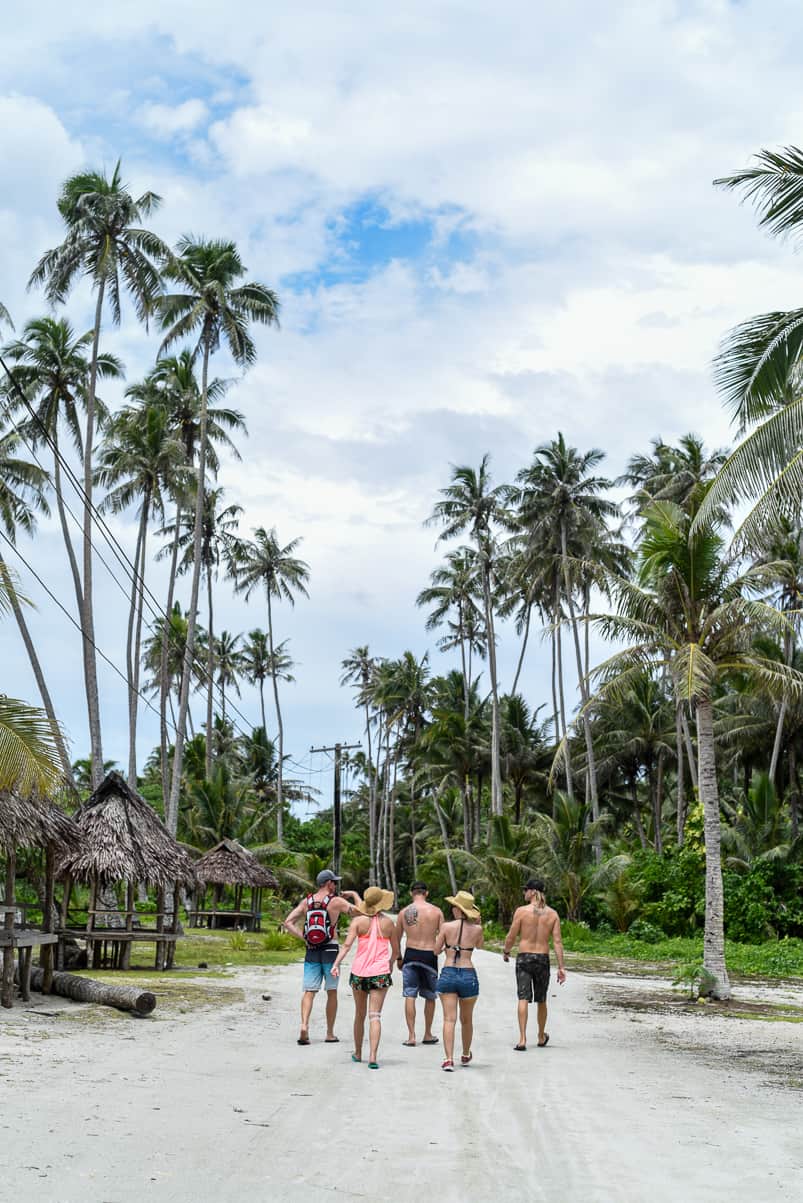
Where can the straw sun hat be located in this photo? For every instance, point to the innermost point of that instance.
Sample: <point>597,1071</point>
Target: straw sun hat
<point>374,901</point>
<point>465,903</point>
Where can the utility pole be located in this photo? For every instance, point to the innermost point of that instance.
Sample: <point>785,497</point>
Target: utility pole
<point>337,824</point>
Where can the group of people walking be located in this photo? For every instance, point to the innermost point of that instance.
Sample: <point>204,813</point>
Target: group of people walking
<point>426,934</point>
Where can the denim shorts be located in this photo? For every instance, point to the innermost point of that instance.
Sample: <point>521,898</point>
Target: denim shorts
<point>318,969</point>
<point>462,982</point>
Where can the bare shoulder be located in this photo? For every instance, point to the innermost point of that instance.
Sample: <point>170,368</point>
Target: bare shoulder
<point>553,915</point>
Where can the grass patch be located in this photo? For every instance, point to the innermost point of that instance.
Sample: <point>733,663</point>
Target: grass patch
<point>219,949</point>
<point>776,959</point>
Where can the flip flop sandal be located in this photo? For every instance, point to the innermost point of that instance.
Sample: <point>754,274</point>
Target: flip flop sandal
<point>519,1048</point>
<point>303,1040</point>
<point>354,1057</point>
<point>332,1040</point>
<point>448,1066</point>
<point>409,1043</point>
<point>543,1043</point>
<point>373,1065</point>
<point>466,1060</point>
<point>434,1040</point>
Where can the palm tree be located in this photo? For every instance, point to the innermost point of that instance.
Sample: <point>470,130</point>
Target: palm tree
<point>471,503</point>
<point>177,385</point>
<point>560,505</point>
<point>213,305</point>
<point>218,533</point>
<point>21,494</point>
<point>105,243</point>
<point>256,665</point>
<point>454,594</point>
<point>264,564</point>
<point>228,663</point>
<point>565,852</point>
<point>692,616</point>
<point>682,474</point>
<point>525,751</point>
<point>138,463</point>
<point>52,372</point>
<point>359,670</point>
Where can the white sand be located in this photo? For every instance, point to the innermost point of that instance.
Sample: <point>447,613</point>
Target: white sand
<point>223,1105</point>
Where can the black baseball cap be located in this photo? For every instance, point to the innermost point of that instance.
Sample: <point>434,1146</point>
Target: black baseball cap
<point>324,876</point>
<point>535,883</point>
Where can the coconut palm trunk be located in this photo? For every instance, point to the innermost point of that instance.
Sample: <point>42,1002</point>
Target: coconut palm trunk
<point>39,676</point>
<point>280,730</point>
<point>192,619</point>
<point>525,638</point>
<point>564,733</point>
<point>681,777</point>
<point>584,696</point>
<point>496,773</point>
<point>210,676</point>
<point>134,636</point>
<point>714,936</point>
<point>164,668</point>
<point>87,610</point>
<point>445,837</point>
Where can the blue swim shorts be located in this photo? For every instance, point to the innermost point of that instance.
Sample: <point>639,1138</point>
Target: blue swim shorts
<point>419,974</point>
<point>318,964</point>
<point>462,982</point>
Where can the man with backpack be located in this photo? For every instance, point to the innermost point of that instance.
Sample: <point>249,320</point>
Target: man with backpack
<point>320,912</point>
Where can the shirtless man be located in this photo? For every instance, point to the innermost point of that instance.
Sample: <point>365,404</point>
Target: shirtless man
<point>325,906</point>
<point>420,923</point>
<point>534,924</point>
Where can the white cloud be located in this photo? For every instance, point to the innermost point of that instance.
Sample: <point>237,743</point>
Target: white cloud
<point>165,121</point>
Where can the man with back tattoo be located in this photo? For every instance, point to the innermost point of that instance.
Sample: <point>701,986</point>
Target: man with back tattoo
<point>533,926</point>
<point>419,923</point>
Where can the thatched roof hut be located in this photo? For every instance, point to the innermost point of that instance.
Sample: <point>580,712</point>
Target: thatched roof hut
<point>35,822</point>
<point>229,864</point>
<point>124,840</point>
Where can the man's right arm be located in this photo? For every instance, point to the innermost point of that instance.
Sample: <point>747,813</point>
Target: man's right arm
<point>290,923</point>
<point>557,944</point>
<point>400,931</point>
<point>512,936</point>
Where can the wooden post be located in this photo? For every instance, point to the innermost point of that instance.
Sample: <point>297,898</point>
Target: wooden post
<point>7,988</point>
<point>125,953</point>
<point>65,906</point>
<point>46,956</point>
<point>95,945</point>
<point>171,948</point>
<point>160,926</point>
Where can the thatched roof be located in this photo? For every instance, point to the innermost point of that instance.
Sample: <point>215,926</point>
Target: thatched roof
<point>125,840</point>
<point>229,864</point>
<point>35,822</point>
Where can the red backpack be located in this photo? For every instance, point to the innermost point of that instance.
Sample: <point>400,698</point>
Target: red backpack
<point>318,924</point>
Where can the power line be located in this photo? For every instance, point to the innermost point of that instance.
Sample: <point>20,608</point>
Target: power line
<point>77,625</point>
<point>135,577</point>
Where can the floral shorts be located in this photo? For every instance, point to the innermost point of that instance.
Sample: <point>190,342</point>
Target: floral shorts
<point>379,981</point>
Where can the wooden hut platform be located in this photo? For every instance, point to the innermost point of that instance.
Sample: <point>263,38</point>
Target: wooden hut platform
<point>229,864</point>
<point>124,842</point>
<point>30,822</point>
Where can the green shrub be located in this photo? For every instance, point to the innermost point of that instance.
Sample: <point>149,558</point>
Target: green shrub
<point>648,933</point>
<point>279,941</point>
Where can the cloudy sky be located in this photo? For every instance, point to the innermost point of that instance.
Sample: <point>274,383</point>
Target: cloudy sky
<point>485,223</point>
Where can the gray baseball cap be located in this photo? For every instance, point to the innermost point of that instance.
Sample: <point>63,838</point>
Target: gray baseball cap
<point>324,876</point>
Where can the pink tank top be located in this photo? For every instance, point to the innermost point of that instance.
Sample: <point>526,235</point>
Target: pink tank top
<point>373,952</point>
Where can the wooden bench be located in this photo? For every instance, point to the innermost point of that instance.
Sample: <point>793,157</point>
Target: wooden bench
<point>223,918</point>
<point>24,940</point>
<point>111,941</point>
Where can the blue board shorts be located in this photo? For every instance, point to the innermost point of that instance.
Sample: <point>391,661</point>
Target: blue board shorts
<point>318,964</point>
<point>419,973</point>
<point>462,982</point>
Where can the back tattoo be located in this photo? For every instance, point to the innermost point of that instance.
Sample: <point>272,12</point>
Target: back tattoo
<point>411,915</point>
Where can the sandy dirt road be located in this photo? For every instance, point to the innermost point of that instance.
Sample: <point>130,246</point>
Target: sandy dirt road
<point>223,1105</point>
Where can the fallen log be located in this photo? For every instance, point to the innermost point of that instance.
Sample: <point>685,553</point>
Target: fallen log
<point>85,989</point>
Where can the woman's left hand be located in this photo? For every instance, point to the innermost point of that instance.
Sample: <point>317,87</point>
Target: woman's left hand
<point>335,971</point>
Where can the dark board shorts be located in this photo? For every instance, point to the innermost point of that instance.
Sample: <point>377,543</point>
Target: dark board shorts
<point>532,976</point>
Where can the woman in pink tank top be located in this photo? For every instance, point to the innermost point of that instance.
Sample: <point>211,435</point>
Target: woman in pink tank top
<point>377,949</point>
